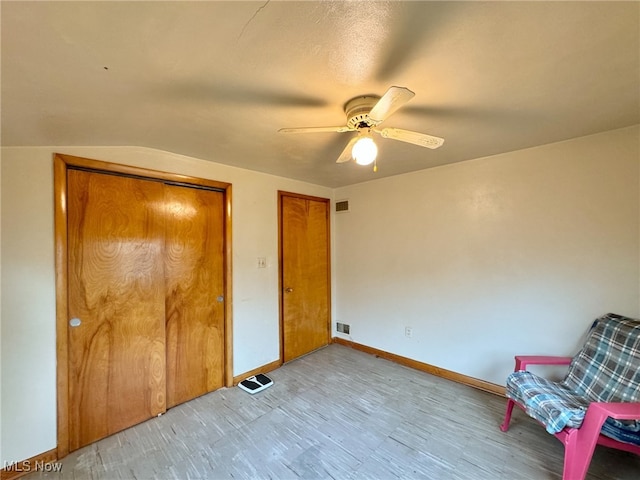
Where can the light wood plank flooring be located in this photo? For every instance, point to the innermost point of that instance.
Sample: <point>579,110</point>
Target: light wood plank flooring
<point>343,414</point>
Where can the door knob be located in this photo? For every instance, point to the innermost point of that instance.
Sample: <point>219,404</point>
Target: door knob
<point>75,322</point>
<point>288,290</point>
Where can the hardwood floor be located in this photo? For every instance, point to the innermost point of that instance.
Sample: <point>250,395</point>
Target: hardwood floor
<point>338,413</point>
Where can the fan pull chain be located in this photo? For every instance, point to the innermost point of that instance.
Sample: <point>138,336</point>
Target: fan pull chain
<point>375,165</point>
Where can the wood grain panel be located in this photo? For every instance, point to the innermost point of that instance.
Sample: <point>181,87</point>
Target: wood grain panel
<point>138,172</point>
<point>65,377</point>
<point>194,271</point>
<point>305,275</point>
<point>116,288</point>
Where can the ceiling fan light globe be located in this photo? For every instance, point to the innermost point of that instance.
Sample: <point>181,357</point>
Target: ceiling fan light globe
<point>364,151</point>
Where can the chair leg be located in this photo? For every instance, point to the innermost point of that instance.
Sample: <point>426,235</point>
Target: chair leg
<point>507,416</point>
<point>577,455</point>
<point>579,444</point>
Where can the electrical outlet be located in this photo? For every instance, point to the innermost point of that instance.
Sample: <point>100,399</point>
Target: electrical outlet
<point>262,262</point>
<point>408,332</point>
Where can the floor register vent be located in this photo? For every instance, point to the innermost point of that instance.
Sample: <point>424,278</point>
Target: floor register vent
<point>343,328</point>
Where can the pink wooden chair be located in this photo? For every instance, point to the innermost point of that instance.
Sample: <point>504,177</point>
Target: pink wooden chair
<point>598,402</point>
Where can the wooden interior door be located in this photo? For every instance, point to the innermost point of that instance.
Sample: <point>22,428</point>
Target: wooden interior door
<point>194,271</point>
<point>305,274</point>
<point>116,304</point>
<point>142,257</point>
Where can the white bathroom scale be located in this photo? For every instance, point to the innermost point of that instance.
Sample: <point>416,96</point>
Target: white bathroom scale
<point>256,383</point>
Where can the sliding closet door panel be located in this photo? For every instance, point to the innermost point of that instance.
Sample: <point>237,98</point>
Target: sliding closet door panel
<point>116,304</point>
<point>194,269</point>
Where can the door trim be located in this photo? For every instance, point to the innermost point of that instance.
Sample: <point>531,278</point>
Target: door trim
<point>61,163</point>
<point>282,194</point>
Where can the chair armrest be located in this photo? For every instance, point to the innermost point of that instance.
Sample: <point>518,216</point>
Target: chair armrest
<point>523,360</point>
<point>596,415</point>
<point>619,411</point>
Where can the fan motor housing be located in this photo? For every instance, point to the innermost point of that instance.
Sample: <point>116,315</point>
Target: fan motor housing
<point>357,110</point>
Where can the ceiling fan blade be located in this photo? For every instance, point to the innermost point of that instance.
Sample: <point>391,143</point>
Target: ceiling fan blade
<point>345,156</point>
<point>391,101</point>
<point>408,136</point>
<point>342,129</point>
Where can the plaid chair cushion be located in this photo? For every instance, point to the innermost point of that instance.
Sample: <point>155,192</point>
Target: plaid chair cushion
<point>552,404</point>
<point>607,369</point>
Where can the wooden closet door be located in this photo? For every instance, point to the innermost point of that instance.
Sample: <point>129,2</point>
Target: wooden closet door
<point>194,270</point>
<point>116,302</point>
<point>305,274</point>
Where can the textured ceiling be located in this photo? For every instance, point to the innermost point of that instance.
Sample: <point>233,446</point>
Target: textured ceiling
<point>216,80</point>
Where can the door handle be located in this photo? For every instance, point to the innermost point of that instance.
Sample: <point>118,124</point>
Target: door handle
<point>288,290</point>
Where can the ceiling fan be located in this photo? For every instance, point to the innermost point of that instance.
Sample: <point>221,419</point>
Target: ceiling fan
<point>364,114</point>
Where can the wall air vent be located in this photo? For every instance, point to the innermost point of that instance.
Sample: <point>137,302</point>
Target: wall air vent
<point>342,206</point>
<point>343,328</point>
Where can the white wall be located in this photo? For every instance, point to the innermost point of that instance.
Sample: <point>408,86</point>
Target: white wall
<point>28,356</point>
<point>514,253</point>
